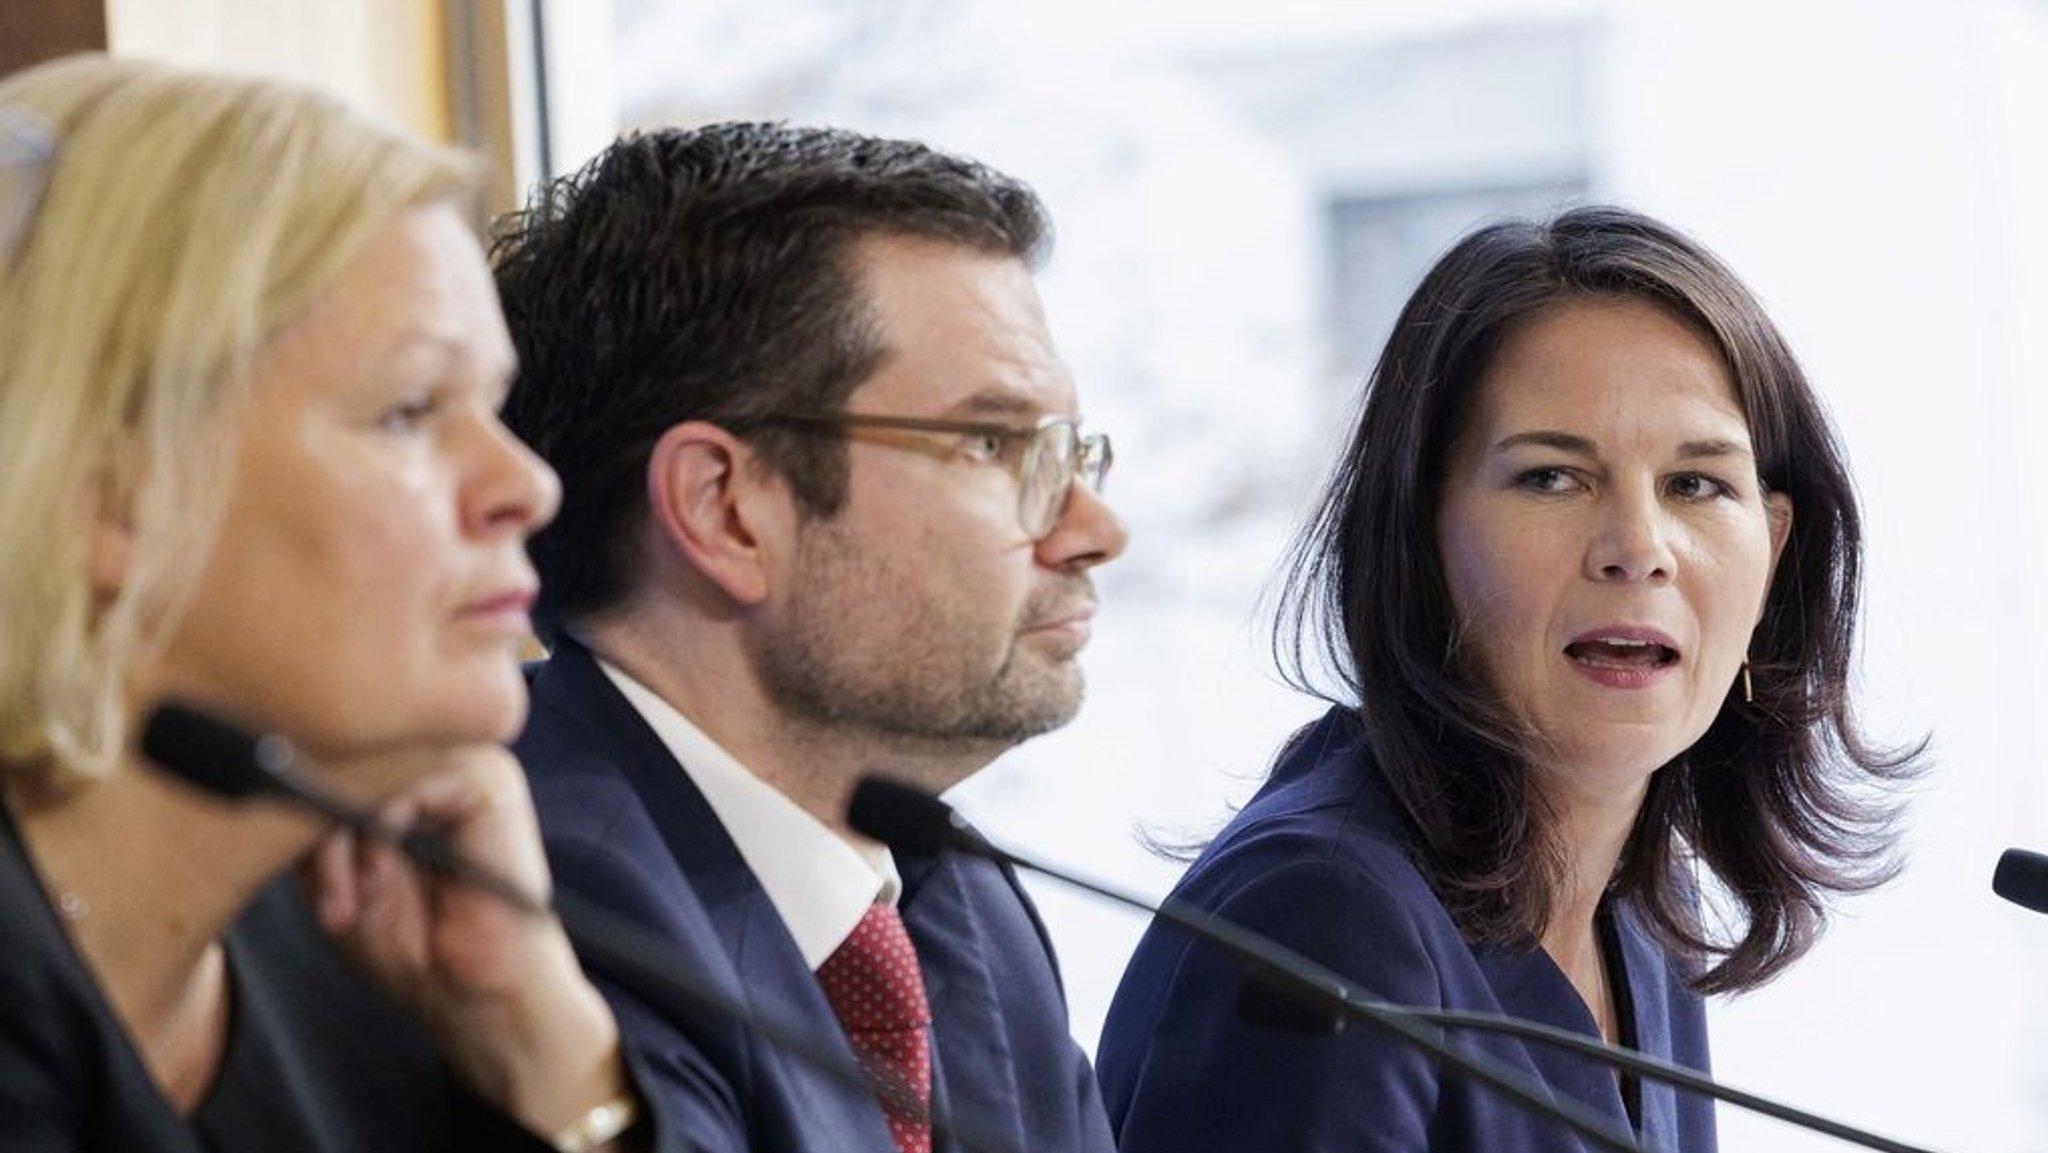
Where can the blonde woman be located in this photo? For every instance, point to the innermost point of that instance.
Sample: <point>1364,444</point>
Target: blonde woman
<point>250,363</point>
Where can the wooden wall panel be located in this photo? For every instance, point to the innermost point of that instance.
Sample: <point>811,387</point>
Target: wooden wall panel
<point>385,57</point>
<point>35,30</point>
<point>456,71</point>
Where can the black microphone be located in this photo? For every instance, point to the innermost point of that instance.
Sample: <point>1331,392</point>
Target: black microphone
<point>2022,878</point>
<point>902,815</point>
<point>218,757</point>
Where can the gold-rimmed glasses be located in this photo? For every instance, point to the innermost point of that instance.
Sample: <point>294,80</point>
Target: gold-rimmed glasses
<point>1046,458</point>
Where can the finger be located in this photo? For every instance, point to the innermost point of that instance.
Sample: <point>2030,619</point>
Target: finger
<point>392,929</point>
<point>480,802</point>
<point>328,878</point>
<point>480,783</point>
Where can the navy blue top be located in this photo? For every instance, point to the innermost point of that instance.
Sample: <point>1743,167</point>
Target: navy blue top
<point>1318,862</point>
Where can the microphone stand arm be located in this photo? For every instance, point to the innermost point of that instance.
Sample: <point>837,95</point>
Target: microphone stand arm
<point>1305,982</point>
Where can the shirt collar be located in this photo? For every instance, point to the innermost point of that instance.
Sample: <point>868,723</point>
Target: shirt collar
<point>819,883</point>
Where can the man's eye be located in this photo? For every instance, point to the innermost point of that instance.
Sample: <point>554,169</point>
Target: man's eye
<point>985,446</point>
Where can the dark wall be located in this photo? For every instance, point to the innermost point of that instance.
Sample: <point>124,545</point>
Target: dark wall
<point>36,30</point>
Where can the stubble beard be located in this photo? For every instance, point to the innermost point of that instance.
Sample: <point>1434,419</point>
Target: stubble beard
<point>855,655</point>
<point>916,690</point>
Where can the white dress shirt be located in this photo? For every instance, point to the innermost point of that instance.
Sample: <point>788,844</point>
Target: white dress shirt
<point>819,883</point>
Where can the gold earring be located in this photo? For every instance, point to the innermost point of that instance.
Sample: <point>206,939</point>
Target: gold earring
<point>1748,690</point>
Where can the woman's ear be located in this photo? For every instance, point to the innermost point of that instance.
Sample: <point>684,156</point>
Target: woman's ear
<point>113,550</point>
<point>1778,518</point>
<point>1778,508</point>
<point>112,491</point>
<point>717,509</point>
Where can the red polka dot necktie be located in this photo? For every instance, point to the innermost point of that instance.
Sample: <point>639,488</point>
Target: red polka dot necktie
<point>874,985</point>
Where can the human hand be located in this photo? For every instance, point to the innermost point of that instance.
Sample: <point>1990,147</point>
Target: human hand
<point>499,986</point>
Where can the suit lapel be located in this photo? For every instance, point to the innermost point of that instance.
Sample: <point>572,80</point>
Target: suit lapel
<point>770,970</point>
<point>1648,976</point>
<point>1529,985</point>
<point>974,1071</point>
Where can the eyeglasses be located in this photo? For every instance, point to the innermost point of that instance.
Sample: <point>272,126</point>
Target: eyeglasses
<point>27,146</point>
<point>1046,458</point>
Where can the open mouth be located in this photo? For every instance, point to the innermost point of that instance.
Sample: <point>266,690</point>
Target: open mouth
<point>1621,653</point>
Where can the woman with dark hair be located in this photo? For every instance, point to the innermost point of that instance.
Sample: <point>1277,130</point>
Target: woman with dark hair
<point>1588,570</point>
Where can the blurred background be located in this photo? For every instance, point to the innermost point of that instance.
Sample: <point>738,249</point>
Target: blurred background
<point>1245,192</point>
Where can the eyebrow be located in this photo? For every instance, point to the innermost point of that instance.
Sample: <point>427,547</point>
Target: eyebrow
<point>996,402</point>
<point>1709,448</point>
<point>495,375</point>
<point>452,348</point>
<point>415,341</point>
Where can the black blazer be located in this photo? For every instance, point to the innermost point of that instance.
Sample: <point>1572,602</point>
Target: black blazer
<point>318,1059</point>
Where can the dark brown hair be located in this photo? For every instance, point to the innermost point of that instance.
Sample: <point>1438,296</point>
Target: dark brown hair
<point>1784,799</point>
<point>706,275</point>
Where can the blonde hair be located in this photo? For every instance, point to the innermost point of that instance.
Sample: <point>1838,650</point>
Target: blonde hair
<point>178,221</point>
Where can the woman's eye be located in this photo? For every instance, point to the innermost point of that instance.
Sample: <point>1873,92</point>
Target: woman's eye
<point>409,413</point>
<point>1547,479</point>
<point>1698,486</point>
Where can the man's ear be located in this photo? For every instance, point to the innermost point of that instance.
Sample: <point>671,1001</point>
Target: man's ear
<point>717,509</point>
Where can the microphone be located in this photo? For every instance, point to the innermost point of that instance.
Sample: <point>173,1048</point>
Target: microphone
<point>904,816</point>
<point>2022,878</point>
<point>219,757</point>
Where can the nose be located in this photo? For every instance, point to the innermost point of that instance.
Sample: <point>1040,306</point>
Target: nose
<point>1632,543</point>
<point>513,488</point>
<point>1087,533</point>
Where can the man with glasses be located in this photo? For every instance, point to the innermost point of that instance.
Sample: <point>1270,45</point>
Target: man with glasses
<point>829,510</point>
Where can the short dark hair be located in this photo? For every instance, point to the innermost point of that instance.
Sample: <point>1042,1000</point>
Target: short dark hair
<point>1777,799</point>
<point>707,275</point>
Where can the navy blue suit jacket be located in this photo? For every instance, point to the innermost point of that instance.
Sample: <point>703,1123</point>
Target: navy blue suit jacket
<point>1316,861</point>
<point>625,825</point>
